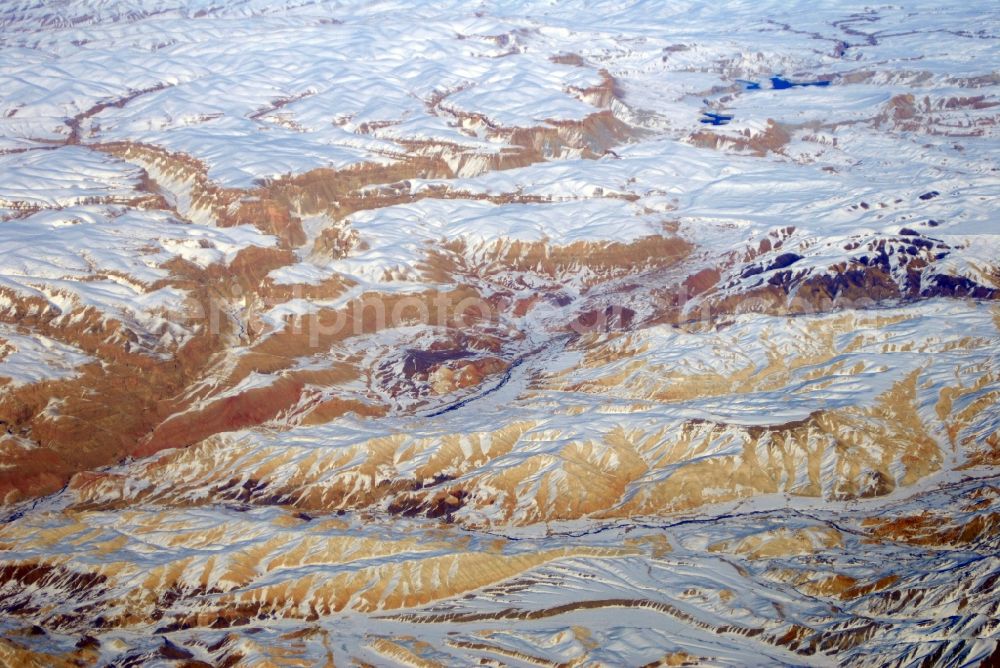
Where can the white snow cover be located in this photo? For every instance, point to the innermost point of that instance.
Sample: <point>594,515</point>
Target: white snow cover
<point>63,176</point>
<point>400,236</point>
<point>109,258</point>
<point>25,360</point>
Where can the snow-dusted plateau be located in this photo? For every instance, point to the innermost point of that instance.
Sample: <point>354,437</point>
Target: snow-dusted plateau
<point>631,333</point>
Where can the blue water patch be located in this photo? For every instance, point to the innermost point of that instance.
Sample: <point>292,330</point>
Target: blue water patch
<point>776,83</point>
<point>780,83</point>
<point>712,118</point>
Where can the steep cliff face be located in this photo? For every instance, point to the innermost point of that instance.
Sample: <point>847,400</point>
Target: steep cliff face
<point>517,335</point>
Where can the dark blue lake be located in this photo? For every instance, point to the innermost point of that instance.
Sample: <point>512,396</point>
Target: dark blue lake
<point>776,83</point>
<point>781,83</point>
<point>712,118</point>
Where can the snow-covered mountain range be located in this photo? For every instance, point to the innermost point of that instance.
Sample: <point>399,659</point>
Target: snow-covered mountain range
<point>502,333</point>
